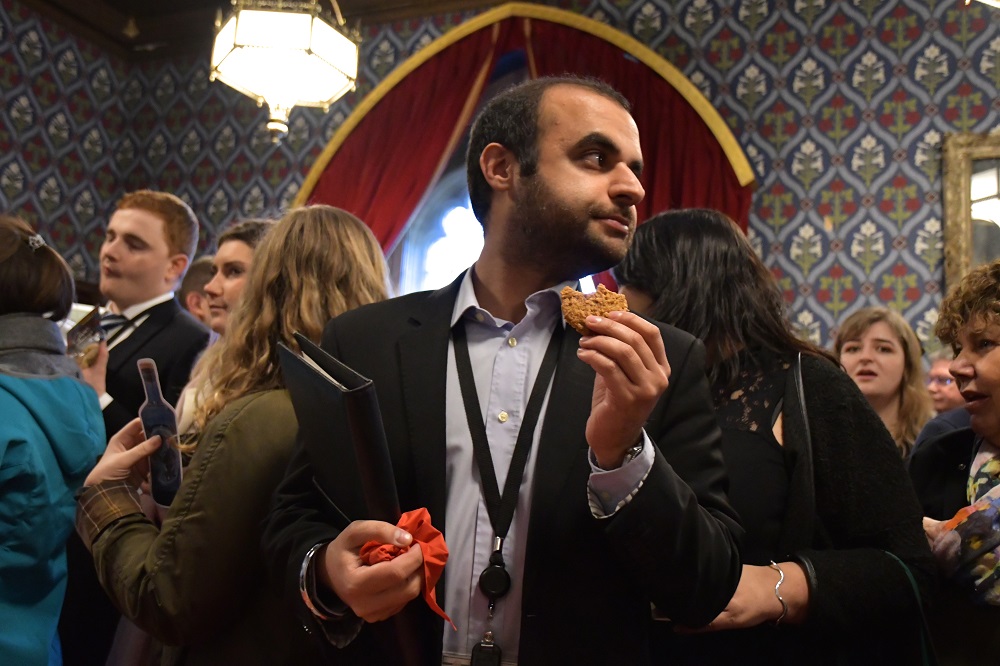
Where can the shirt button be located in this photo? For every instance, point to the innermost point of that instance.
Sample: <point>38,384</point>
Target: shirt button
<point>502,417</point>
<point>480,317</point>
<point>512,341</point>
<point>606,496</point>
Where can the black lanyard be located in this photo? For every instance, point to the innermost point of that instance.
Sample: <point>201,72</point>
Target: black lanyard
<point>494,581</point>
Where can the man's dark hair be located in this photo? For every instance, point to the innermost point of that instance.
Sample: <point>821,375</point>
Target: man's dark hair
<point>199,273</point>
<point>511,119</point>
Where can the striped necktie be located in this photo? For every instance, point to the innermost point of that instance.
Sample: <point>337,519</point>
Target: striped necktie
<point>113,324</point>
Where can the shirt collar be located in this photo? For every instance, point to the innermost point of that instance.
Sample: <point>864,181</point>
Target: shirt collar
<point>135,310</point>
<point>466,301</point>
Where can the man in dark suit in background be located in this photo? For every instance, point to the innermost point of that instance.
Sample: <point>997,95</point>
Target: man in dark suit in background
<point>622,500</point>
<point>147,247</point>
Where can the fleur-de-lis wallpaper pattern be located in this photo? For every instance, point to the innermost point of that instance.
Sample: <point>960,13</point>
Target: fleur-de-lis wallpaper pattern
<point>840,105</point>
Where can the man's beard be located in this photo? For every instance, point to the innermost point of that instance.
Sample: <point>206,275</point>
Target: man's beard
<point>546,231</point>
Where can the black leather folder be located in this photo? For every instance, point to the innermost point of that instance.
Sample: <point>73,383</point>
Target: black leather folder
<point>340,426</point>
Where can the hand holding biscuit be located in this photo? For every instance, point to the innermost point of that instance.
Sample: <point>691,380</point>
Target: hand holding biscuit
<point>627,353</point>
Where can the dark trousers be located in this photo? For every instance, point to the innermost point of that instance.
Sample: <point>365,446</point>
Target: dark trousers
<point>89,619</point>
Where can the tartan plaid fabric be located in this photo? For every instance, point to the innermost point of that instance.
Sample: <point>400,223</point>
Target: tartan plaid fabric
<point>100,505</point>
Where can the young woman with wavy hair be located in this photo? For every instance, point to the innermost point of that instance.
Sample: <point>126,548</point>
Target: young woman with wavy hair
<point>197,583</point>
<point>882,354</point>
<point>229,273</point>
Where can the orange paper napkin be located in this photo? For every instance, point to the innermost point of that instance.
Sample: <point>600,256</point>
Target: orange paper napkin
<point>432,545</point>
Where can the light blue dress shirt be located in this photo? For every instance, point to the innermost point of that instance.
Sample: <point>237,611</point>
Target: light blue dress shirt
<point>505,360</point>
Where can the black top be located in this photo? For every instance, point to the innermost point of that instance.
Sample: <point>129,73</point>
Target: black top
<point>758,465</point>
<point>839,504</point>
<point>945,422</point>
<point>759,477</point>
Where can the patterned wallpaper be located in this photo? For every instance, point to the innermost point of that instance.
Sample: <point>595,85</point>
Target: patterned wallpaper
<point>839,104</point>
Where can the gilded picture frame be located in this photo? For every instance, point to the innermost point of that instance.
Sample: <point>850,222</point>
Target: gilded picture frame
<point>959,150</point>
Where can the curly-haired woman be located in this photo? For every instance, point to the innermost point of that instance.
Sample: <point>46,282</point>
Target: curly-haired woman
<point>957,476</point>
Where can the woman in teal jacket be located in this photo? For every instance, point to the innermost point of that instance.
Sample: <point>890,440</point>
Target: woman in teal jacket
<point>51,434</point>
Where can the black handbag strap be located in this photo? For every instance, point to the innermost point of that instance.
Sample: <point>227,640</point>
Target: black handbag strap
<point>927,655</point>
<point>800,393</point>
<point>801,529</point>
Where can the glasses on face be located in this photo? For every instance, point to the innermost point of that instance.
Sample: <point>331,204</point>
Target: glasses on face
<point>943,381</point>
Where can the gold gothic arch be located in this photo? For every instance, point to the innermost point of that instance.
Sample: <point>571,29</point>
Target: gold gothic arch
<point>731,148</point>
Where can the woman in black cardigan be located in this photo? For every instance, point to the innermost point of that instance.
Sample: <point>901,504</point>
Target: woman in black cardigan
<point>814,474</point>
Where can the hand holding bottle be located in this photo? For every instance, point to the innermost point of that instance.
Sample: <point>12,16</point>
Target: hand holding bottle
<point>159,418</point>
<point>126,458</point>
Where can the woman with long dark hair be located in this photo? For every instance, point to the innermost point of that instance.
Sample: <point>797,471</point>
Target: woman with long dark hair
<point>814,474</point>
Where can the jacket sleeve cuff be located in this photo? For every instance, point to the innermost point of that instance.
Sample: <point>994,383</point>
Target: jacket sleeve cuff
<point>101,504</point>
<point>608,491</point>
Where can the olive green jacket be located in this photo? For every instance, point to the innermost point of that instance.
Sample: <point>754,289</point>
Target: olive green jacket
<point>197,583</point>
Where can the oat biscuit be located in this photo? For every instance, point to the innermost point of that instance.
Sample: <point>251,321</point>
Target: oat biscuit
<point>576,307</point>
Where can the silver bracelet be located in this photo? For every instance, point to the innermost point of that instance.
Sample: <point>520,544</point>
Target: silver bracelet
<point>777,592</point>
<point>307,582</point>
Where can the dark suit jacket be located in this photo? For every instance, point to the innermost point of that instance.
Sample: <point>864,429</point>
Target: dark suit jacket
<point>940,472</point>
<point>588,583</point>
<point>953,419</point>
<point>172,338</point>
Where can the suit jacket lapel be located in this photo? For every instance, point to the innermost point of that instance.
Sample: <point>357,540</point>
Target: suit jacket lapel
<point>423,358</point>
<point>159,316</point>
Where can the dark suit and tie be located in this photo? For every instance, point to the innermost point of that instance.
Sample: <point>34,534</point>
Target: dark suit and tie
<point>171,337</point>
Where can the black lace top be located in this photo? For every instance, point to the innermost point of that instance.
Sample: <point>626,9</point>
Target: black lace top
<point>757,464</point>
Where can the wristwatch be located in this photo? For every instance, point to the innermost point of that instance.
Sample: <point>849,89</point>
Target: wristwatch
<point>633,453</point>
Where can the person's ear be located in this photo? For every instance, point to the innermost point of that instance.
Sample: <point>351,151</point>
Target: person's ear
<point>499,167</point>
<point>175,269</point>
<point>194,302</point>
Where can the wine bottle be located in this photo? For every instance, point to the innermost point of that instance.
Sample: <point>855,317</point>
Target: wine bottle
<point>159,418</point>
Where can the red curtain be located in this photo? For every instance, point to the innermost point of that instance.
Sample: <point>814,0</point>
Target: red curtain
<point>396,152</point>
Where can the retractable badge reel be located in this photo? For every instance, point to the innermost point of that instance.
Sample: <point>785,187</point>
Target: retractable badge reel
<point>494,582</point>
